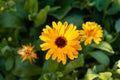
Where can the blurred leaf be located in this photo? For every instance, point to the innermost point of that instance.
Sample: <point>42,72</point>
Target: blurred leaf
<point>104,46</point>
<point>10,20</point>
<point>10,77</point>
<point>90,75</point>
<point>98,68</point>
<point>117,25</point>
<point>50,66</point>
<point>1,77</point>
<point>61,13</point>
<point>75,18</point>
<point>2,63</point>
<point>4,49</point>
<point>74,64</point>
<point>118,71</point>
<point>59,74</point>
<point>25,69</point>
<point>80,4</point>
<point>3,43</point>
<point>31,6</point>
<point>46,77</point>
<point>9,63</point>
<point>50,2</point>
<point>53,9</point>
<point>102,5</point>
<point>115,8</point>
<point>105,75</point>
<point>100,57</point>
<point>41,16</point>
<point>118,63</point>
<point>36,44</point>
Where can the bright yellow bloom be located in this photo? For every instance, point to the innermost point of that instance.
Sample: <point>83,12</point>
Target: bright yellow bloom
<point>62,40</point>
<point>27,52</point>
<point>91,31</point>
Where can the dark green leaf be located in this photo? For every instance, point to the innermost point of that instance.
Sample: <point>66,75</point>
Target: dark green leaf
<point>117,25</point>
<point>100,57</point>
<point>10,20</point>
<point>41,16</point>
<point>59,74</point>
<point>101,5</point>
<point>25,69</point>
<point>31,6</point>
<point>98,68</point>
<point>80,4</point>
<point>50,66</point>
<point>4,43</point>
<point>61,13</point>
<point>9,63</point>
<point>74,64</point>
<point>115,8</point>
<point>75,18</point>
<point>10,77</point>
<point>1,77</point>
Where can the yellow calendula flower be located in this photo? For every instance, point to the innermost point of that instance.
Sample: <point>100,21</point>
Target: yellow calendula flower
<point>91,31</point>
<point>27,52</point>
<point>61,41</point>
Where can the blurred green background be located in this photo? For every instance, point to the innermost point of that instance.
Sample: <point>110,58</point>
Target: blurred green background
<point>21,22</point>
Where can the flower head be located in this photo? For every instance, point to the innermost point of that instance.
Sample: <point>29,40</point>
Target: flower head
<point>91,31</point>
<point>61,41</point>
<point>27,52</point>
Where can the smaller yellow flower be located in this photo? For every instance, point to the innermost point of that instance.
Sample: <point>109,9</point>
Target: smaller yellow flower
<point>91,31</point>
<point>27,52</point>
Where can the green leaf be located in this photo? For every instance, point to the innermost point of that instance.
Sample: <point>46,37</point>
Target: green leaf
<point>50,66</point>
<point>10,20</point>
<point>105,75</point>
<point>115,8</point>
<point>100,57</point>
<point>118,63</point>
<point>61,13</point>
<point>118,71</point>
<point>105,46</point>
<point>1,77</point>
<point>4,49</point>
<point>9,63</point>
<point>80,4</point>
<point>99,67</point>
<point>101,5</point>
<point>74,64</point>
<point>117,25</point>
<point>75,18</point>
<point>31,6</point>
<point>10,77</point>
<point>25,69</point>
<point>4,43</point>
<point>41,16</point>
<point>90,75</point>
<point>59,74</point>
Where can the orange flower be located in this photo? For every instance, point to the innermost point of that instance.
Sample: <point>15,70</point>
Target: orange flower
<point>27,52</point>
<point>61,41</point>
<point>91,31</point>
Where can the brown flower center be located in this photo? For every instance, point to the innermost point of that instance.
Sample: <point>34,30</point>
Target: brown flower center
<point>91,33</point>
<point>60,42</point>
<point>27,52</point>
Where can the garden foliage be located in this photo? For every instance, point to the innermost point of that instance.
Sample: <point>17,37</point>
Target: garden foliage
<point>22,21</point>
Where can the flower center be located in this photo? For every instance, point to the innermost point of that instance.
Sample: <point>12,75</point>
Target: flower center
<point>60,42</point>
<point>90,33</point>
<point>28,52</point>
